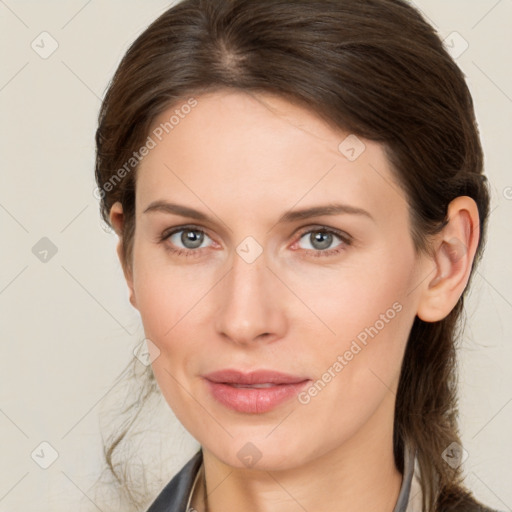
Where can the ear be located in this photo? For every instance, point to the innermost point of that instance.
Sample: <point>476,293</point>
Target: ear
<point>117,220</point>
<point>455,248</point>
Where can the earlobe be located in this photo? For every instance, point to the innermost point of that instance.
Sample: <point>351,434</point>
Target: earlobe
<point>116,220</point>
<point>455,249</point>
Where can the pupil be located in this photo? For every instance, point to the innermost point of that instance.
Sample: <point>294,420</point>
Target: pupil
<point>192,236</point>
<point>324,239</point>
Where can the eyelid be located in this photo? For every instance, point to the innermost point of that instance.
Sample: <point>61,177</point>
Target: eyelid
<point>182,227</point>
<point>320,227</point>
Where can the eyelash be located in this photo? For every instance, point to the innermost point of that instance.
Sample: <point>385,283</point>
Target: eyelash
<point>346,239</point>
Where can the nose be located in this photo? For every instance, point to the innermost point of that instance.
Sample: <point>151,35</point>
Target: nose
<point>251,303</point>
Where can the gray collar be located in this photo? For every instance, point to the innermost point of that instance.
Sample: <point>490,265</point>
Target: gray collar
<point>402,504</point>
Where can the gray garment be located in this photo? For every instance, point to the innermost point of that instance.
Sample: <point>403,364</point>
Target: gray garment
<point>174,496</point>
<point>402,504</point>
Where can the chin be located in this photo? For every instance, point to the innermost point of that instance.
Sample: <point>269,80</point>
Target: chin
<point>263,453</point>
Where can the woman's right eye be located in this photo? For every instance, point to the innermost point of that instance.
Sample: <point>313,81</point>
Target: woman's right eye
<point>190,238</point>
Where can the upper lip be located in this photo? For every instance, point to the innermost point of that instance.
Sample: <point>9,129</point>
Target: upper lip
<point>230,376</point>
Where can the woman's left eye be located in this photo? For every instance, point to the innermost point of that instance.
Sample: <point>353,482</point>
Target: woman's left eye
<point>192,238</point>
<point>320,239</point>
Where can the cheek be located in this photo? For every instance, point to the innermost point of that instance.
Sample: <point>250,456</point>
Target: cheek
<point>167,294</point>
<point>369,313</point>
<point>358,370</point>
<point>355,297</point>
<point>169,304</point>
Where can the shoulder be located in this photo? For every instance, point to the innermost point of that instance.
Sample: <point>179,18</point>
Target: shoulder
<point>174,496</point>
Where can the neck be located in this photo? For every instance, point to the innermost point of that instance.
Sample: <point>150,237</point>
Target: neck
<point>357,476</point>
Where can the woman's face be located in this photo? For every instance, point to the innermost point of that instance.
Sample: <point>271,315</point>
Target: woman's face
<point>249,284</point>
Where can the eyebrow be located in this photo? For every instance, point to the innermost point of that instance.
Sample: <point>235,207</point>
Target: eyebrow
<point>287,217</point>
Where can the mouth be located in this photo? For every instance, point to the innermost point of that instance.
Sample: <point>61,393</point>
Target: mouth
<point>255,377</point>
<point>256,392</point>
<point>253,386</point>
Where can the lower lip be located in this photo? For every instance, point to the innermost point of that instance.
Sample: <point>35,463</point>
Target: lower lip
<point>254,400</point>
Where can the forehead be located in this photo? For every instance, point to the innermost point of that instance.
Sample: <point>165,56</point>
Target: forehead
<point>261,149</point>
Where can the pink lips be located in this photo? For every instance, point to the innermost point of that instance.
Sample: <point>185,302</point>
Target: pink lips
<point>255,392</point>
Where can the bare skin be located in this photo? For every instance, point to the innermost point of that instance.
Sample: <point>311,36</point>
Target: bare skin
<point>243,161</point>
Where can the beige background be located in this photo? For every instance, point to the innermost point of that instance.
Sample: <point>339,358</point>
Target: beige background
<point>67,326</point>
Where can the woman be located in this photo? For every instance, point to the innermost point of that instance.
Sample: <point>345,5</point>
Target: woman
<point>298,192</point>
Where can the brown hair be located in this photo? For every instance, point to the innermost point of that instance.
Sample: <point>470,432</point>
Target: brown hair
<point>374,68</point>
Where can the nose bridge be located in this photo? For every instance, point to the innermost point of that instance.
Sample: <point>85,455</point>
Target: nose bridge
<point>249,305</point>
